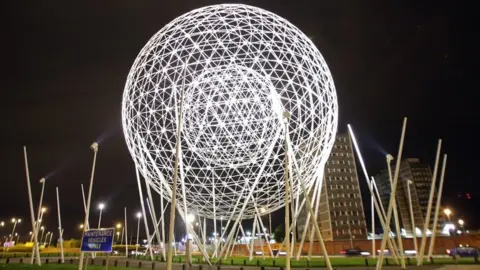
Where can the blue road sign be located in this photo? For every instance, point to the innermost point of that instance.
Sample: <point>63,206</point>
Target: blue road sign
<point>98,240</point>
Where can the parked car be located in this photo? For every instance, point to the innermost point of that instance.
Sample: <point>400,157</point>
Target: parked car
<point>462,251</point>
<point>354,252</point>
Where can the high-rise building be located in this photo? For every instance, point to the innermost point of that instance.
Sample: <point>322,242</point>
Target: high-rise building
<point>340,212</point>
<point>418,177</point>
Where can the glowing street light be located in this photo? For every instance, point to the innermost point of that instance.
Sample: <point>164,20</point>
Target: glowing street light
<point>447,212</point>
<point>139,215</point>
<point>80,226</point>
<point>100,206</point>
<point>2,224</point>
<point>14,221</point>
<point>119,225</point>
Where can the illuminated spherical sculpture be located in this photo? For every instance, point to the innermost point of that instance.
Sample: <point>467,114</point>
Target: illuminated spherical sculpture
<point>240,68</point>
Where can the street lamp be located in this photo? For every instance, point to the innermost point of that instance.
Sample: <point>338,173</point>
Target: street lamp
<point>100,206</point>
<point>43,231</point>
<point>447,212</point>
<point>2,224</point>
<point>139,215</point>
<point>80,226</point>
<point>14,221</point>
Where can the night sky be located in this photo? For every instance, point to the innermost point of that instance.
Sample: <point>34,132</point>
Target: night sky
<point>64,65</point>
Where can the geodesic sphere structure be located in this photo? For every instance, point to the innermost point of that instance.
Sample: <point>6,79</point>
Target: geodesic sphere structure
<point>235,69</point>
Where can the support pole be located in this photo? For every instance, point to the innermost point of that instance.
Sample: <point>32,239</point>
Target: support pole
<point>126,232</point>
<point>372,210</point>
<point>32,213</point>
<point>60,230</point>
<point>173,205</point>
<point>307,223</point>
<point>386,232</point>
<point>163,227</point>
<point>429,207</point>
<point>412,218</point>
<point>39,217</point>
<point>371,185</point>
<point>145,221</point>
<point>437,208</point>
<point>94,147</point>
<point>395,215</point>
<point>308,202</point>
<point>252,244</point>
<point>151,207</point>
<point>287,196</point>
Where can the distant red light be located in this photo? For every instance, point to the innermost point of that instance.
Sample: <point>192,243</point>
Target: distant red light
<point>468,196</point>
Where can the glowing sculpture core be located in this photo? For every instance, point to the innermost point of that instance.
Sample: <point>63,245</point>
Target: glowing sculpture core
<point>240,68</point>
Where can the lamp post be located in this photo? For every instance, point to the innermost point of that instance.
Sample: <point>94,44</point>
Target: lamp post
<point>14,221</point>
<point>139,216</point>
<point>16,240</point>
<point>448,212</point>
<point>100,206</point>
<point>41,237</point>
<point>94,148</point>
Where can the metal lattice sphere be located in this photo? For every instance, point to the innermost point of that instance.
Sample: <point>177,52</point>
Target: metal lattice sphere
<point>240,68</point>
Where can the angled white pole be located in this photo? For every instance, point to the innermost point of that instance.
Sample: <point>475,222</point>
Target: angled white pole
<point>126,232</point>
<point>429,206</point>
<point>395,215</point>
<point>371,185</point>
<point>386,232</point>
<point>307,224</point>
<point>145,221</point>
<point>287,196</point>
<point>32,213</point>
<point>153,215</point>
<point>412,218</point>
<point>372,210</point>
<point>252,246</point>
<point>437,207</point>
<point>173,205</point>
<point>60,230</point>
<point>305,195</point>
<point>262,225</point>
<point>163,227</point>
<point>94,147</point>
<point>39,217</point>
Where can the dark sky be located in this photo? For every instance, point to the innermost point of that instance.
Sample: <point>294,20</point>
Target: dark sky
<point>64,66</point>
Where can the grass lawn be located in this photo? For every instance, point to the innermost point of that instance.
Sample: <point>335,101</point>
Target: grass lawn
<point>53,267</point>
<point>258,261</point>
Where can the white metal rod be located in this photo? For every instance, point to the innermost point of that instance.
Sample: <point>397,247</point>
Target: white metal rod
<point>250,257</point>
<point>395,216</point>
<point>163,226</point>
<point>414,229</point>
<point>429,206</point>
<point>60,230</point>
<point>145,221</point>
<point>175,177</point>
<point>307,224</point>
<point>94,147</point>
<point>153,215</point>
<point>32,213</point>
<point>386,232</point>
<point>378,206</point>
<point>437,208</point>
<point>372,210</point>
<point>308,202</point>
<point>126,232</point>
<point>39,214</point>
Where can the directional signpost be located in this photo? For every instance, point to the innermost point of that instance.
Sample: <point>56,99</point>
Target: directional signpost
<point>98,240</point>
